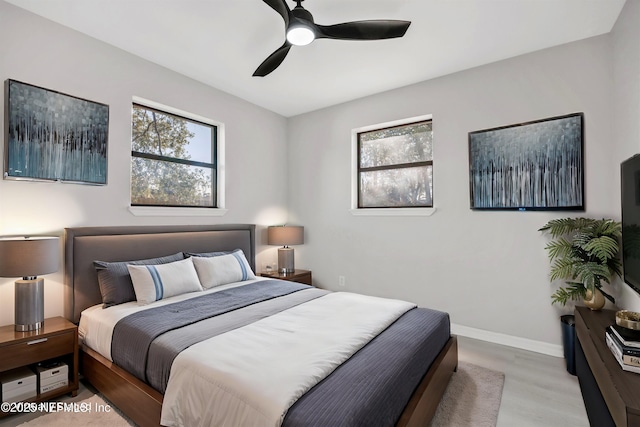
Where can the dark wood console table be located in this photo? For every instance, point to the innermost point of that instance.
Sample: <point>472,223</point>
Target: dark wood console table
<point>609,392</point>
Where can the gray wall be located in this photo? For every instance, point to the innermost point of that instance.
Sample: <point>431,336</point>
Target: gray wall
<point>40,52</point>
<point>626,104</point>
<point>487,269</point>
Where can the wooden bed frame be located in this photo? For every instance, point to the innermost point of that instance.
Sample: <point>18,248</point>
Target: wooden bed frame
<point>136,399</point>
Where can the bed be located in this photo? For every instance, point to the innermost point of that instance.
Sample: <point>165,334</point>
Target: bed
<point>361,376</point>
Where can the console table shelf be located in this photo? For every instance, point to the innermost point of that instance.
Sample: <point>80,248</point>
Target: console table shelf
<point>619,389</point>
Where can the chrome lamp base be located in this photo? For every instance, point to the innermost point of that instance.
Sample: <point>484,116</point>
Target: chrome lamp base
<point>285,260</point>
<point>29,304</point>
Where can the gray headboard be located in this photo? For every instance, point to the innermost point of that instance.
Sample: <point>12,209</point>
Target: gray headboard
<point>83,245</point>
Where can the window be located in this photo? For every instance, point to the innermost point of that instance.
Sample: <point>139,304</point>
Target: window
<point>173,160</point>
<point>395,165</point>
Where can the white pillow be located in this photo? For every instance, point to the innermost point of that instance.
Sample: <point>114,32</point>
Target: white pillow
<point>155,282</point>
<point>223,269</point>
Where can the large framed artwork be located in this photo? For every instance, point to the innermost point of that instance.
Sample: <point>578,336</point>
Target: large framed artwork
<point>535,165</point>
<point>54,137</point>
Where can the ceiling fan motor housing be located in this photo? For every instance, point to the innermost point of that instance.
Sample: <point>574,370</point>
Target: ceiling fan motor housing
<point>302,13</point>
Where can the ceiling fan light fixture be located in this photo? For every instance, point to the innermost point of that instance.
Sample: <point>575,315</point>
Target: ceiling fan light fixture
<point>301,30</point>
<point>300,35</point>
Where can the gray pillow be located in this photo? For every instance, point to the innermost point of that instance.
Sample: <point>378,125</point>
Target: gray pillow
<point>115,281</point>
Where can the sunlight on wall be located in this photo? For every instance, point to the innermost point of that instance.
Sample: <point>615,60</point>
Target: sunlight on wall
<point>48,210</point>
<point>271,215</point>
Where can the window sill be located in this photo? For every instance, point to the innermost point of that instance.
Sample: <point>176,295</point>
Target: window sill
<point>394,212</point>
<point>172,211</point>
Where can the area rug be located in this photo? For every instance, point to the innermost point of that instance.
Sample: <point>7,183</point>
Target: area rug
<point>472,398</point>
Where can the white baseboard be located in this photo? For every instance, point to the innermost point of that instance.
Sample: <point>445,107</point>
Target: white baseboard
<point>508,340</point>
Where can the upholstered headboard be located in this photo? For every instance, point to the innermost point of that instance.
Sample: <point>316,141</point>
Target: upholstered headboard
<point>83,245</point>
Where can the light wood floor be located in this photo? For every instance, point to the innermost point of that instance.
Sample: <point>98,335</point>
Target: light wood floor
<point>538,390</point>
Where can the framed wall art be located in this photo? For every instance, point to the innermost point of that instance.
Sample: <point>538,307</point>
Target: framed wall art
<point>54,137</point>
<point>535,165</point>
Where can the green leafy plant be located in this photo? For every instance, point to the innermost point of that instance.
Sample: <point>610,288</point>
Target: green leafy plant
<point>583,251</point>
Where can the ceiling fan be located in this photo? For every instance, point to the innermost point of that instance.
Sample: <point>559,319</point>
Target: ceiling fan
<point>301,30</point>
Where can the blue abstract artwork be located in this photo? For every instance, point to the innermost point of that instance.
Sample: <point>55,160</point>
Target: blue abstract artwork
<point>530,166</point>
<point>53,136</point>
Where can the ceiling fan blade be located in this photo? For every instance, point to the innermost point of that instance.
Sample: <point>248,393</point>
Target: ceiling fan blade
<point>281,7</point>
<point>363,30</point>
<point>273,61</point>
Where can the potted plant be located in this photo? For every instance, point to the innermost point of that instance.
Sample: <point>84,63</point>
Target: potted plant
<point>583,251</point>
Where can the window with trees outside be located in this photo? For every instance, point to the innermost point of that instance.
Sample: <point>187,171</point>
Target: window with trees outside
<point>173,160</point>
<point>395,166</point>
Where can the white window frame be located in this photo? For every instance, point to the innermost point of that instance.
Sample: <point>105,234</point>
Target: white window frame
<point>355,210</point>
<point>220,171</point>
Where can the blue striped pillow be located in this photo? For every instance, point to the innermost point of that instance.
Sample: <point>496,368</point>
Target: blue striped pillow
<point>156,282</point>
<point>223,269</point>
<point>115,281</point>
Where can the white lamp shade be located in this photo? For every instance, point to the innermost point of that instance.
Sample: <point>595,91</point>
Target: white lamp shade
<point>28,257</point>
<point>285,235</point>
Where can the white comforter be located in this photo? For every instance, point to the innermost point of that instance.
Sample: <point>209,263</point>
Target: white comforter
<point>252,375</point>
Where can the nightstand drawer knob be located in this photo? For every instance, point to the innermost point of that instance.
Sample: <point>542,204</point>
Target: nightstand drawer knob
<point>37,341</point>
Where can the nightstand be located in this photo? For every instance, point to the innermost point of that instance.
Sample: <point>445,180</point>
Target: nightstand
<point>300,276</point>
<point>57,339</point>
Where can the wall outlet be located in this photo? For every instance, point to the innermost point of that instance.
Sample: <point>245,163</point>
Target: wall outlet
<point>341,281</point>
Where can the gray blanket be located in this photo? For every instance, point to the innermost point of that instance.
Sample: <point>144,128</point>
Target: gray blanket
<point>133,335</point>
<point>166,347</point>
<point>373,387</point>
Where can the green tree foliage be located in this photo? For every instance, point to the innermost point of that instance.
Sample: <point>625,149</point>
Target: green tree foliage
<point>585,251</point>
<point>382,183</point>
<point>162,180</point>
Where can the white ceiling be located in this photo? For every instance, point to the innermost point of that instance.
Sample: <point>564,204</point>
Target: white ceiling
<point>221,42</point>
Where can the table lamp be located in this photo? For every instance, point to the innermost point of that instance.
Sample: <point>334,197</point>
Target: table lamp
<point>285,235</point>
<point>28,257</point>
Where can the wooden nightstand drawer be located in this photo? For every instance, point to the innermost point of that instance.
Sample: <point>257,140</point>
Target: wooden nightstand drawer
<point>300,276</point>
<point>304,278</point>
<point>36,349</point>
